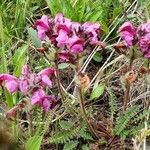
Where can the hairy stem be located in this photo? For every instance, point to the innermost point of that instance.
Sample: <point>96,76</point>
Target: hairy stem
<point>84,113</point>
<point>30,119</point>
<point>58,80</point>
<point>127,91</point>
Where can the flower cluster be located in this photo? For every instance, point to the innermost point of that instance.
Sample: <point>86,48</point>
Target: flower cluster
<point>32,85</point>
<point>137,35</point>
<point>70,37</point>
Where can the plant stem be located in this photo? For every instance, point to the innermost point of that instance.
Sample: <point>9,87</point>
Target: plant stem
<point>58,79</point>
<point>80,90</point>
<point>127,91</point>
<point>30,119</point>
<point>4,63</point>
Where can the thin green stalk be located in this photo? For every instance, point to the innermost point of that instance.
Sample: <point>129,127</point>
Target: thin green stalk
<point>3,58</point>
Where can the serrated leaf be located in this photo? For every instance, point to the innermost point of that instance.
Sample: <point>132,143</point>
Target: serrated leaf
<point>85,135</point>
<point>34,37</point>
<point>98,91</point>
<point>85,147</point>
<point>65,124</point>
<point>70,145</point>
<point>63,66</point>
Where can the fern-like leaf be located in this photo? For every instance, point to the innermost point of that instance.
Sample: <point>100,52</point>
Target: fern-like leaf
<point>70,145</point>
<point>64,136</point>
<point>123,120</point>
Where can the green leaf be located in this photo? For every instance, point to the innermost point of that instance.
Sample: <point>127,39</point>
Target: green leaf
<point>34,37</point>
<point>85,147</point>
<point>9,98</point>
<point>34,143</point>
<point>68,10</point>
<point>98,57</point>
<point>63,66</point>
<point>85,135</point>
<point>70,145</point>
<point>65,124</point>
<point>98,91</point>
<point>19,58</point>
<point>80,9</point>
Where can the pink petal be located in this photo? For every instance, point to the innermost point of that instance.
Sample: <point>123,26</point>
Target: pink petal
<point>25,70</point>
<point>59,18</point>
<point>37,97</point>
<point>62,39</point>
<point>128,33</point>
<point>4,77</point>
<point>77,48</point>
<point>76,26</point>
<point>47,71</point>
<point>49,102</point>
<point>24,86</point>
<point>46,105</point>
<point>75,44</point>
<point>42,27</point>
<point>46,81</point>
<point>11,85</point>
<point>65,56</point>
<point>127,26</point>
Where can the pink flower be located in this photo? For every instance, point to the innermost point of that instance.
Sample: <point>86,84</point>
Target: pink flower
<point>62,23</point>
<point>44,74</point>
<point>43,26</point>
<point>65,56</point>
<point>40,98</point>
<point>62,39</point>
<point>47,71</point>
<point>93,31</point>
<point>76,26</point>
<point>144,43</point>
<point>75,44</point>
<point>144,29</point>
<point>147,55</point>
<point>11,86</point>
<point>25,70</point>
<point>11,82</point>
<point>24,85</point>
<point>128,33</point>
<point>46,81</point>
<point>59,18</point>
<point>49,102</point>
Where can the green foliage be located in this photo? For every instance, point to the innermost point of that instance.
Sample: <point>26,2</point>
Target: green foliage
<point>34,38</point>
<point>70,145</point>
<point>66,125</point>
<point>69,132</point>
<point>98,57</point>
<point>84,134</point>
<point>85,147</point>
<point>19,58</point>
<point>112,102</point>
<point>124,119</point>
<point>34,143</point>
<point>97,92</point>
<point>63,66</point>
<point>127,126</point>
<point>64,136</point>
<point>87,10</point>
